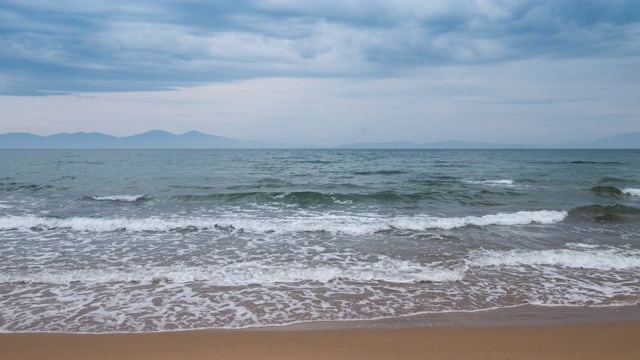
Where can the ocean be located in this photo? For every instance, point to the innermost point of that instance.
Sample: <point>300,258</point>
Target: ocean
<point>102,241</point>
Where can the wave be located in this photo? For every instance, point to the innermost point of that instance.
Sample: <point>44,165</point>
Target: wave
<point>336,223</point>
<point>609,179</point>
<point>605,213</point>
<point>504,219</point>
<point>579,162</point>
<point>117,198</point>
<point>253,272</point>
<point>317,162</point>
<point>595,162</point>
<point>606,259</point>
<point>608,191</point>
<point>611,191</point>
<point>503,193</point>
<point>430,182</point>
<point>309,198</point>
<point>196,187</point>
<point>303,197</point>
<point>632,192</point>
<point>15,186</point>
<point>503,182</point>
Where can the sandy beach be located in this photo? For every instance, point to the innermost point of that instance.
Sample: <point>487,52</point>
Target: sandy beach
<point>586,341</point>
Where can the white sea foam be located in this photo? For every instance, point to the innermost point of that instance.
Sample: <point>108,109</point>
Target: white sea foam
<point>501,182</point>
<point>338,223</point>
<point>605,259</point>
<point>582,246</point>
<point>252,272</point>
<point>517,218</point>
<point>267,292</point>
<point>631,191</point>
<point>98,224</point>
<point>122,198</point>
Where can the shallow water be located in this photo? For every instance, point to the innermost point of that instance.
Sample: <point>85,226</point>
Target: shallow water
<point>153,240</point>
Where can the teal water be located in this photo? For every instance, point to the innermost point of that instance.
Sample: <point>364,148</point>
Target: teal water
<point>155,240</point>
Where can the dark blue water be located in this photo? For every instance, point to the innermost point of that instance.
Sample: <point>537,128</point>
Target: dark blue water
<point>152,240</point>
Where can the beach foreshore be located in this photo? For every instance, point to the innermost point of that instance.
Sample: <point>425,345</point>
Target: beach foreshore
<point>600,341</point>
<point>596,338</point>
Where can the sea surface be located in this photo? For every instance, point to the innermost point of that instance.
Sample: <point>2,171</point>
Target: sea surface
<point>106,241</point>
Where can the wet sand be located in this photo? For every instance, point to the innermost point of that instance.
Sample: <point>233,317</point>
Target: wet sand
<point>619,340</point>
<point>525,332</point>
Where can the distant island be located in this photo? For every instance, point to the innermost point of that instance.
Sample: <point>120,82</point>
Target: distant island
<point>158,139</point>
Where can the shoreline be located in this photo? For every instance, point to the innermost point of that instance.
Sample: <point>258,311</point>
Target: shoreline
<point>515,333</point>
<point>516,316</point>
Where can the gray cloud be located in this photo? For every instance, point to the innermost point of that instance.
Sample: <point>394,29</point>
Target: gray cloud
<point>123,46</point>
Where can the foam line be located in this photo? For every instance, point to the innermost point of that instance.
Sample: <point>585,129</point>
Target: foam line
<point>320,222</point>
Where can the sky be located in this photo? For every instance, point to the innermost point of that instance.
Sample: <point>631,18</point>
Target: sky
<point>323,72</point>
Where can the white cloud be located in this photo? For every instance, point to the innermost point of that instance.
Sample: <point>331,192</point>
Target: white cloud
<point>530,101</point>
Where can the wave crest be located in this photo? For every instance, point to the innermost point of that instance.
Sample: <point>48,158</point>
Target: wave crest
<point>631,191</point>
<point>118,198</point>
<point>605,213</point>
<point>606,259</point>
<point>501,182</point>
<point>336,223</point>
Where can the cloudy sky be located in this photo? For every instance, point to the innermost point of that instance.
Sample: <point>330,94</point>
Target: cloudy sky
<point>323,72</point>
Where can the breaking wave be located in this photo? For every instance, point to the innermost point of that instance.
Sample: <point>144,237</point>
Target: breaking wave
<point>611,191</point>
<point>631,191</point>
<point>118,198</point>
<point>337,223</point>
<point>604,259</point>
<point>502,182</point>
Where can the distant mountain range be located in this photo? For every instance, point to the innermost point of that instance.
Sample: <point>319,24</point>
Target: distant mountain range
<point>157,139</point>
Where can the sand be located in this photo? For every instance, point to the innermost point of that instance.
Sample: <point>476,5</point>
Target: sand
<point>586,341</point>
